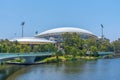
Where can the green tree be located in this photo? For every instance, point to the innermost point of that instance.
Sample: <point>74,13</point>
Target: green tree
<point>18,48</point>
<point>73,52</point>
<point>36,48</point>
<point>116,46</point>
<point>67,50</point>
<point>94,50</point>
<point>26,49</point>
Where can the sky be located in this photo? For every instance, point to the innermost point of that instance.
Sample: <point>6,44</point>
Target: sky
<point>41,15</point>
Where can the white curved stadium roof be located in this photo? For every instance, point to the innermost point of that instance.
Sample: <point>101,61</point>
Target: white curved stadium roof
<point>65,29</point>
<point>32,40</point>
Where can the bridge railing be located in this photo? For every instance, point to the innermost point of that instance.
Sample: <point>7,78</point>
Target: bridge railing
<point>7,55</point>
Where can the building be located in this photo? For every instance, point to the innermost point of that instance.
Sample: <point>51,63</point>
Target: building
<point>53,35</point>
<point>56,34</point>
<point>32,40</point>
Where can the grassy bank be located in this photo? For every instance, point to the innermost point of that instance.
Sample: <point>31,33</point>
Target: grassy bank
<point>54,59</point>
<point>67,58</point>
<point>18,60</point>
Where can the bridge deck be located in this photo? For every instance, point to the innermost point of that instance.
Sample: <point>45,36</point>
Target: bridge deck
<point>10,55</point>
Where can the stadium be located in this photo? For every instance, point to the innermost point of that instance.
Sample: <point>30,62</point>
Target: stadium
<point>56,34</point>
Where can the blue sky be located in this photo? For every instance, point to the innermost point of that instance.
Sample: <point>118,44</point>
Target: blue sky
<point>41,15</point>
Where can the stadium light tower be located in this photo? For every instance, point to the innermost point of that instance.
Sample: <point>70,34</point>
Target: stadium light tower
<point>102,35</point>
<point>36,32</point>
<point>22,24</point>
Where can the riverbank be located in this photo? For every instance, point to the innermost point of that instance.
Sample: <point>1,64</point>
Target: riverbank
<point>55,59</point>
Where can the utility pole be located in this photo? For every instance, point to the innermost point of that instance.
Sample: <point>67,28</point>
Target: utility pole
<point>102,35</point>
<point>22,24</point>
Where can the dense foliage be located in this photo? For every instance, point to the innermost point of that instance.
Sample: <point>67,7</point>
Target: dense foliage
<point>73,45</point>
<point>76,46</point>
<point>116,45</point>
<point>14,47</point>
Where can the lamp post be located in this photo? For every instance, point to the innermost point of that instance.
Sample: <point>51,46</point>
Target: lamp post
<point>22,24</point>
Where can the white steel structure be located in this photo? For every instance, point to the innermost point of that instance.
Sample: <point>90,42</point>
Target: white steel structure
<point>32,40</point>
<point>56,34</point>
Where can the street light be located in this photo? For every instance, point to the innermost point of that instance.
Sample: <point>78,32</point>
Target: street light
<point>22,24</point>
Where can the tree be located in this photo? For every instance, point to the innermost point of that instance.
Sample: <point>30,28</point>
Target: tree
<point>67,50</point>
<point>94,50</point>
<point>116,45</point>
<point>73,39</point>
<point>51,47</point>
<point>1,48</point>
<point>18,48</point>
<point>91,42</point>
<point>59,53</point>
<point>73,52</point>
<point>26,49</point>
<point>36,48</point>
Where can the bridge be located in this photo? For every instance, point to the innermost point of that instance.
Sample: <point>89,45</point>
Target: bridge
<point>28,57</point>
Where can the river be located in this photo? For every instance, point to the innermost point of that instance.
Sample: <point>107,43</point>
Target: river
<point>102,69</point>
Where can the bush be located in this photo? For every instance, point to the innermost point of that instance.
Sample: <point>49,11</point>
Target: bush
<point>54,60</point>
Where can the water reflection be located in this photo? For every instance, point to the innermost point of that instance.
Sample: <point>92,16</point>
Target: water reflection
<point>7,70</point>
<point>77,67</point>
<point>104,69</point>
